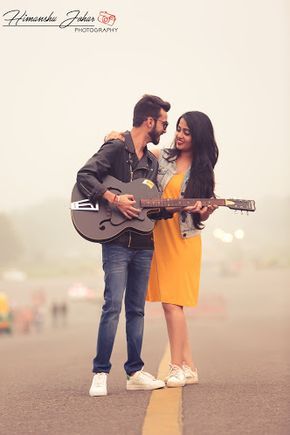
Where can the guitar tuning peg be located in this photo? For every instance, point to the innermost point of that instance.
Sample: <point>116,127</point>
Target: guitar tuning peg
<point>247,213</point>
<point>241,212</point>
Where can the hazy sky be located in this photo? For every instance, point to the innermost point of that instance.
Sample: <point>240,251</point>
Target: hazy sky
<point>62,90</point>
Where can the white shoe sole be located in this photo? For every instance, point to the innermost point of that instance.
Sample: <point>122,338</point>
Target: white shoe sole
<point>190,382</point>
<point>173,385</point>
<point>98,394</point>
<point>143,387</point>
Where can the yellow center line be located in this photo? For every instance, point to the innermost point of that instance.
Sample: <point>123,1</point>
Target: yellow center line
<point>163,415</point>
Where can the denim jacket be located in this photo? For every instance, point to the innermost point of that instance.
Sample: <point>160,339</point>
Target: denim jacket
<point>166,171</point>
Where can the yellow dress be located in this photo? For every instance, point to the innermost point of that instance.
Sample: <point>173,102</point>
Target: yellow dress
<point>175,268</point>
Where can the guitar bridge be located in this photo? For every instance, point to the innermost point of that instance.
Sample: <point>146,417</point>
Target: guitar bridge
<point>84,204</point>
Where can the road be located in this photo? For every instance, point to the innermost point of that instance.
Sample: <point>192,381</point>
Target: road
<point>239,334</point>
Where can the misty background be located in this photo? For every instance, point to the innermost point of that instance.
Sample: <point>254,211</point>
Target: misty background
<point>62,91</point>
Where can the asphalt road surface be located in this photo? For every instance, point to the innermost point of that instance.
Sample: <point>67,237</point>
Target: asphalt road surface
<point>240,339</point>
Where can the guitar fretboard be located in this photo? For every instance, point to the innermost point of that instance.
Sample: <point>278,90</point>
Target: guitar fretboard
<point>181,202</point>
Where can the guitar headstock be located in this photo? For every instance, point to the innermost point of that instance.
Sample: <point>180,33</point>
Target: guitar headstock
<point>241,204</point>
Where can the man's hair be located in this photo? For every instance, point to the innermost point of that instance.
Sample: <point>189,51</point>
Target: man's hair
<point>149,105</point>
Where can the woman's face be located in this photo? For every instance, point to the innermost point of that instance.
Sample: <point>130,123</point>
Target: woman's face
<point>183,140</point>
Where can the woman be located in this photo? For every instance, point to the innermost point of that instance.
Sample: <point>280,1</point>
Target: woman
<point>185,170</point>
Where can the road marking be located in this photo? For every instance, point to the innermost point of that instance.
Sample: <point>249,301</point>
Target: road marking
<point>163,415</point>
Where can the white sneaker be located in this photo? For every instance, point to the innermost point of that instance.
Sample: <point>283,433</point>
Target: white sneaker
<point>143,381</point>
<point>176,376</point>
<point>191,376</point>
<point>99,385</point>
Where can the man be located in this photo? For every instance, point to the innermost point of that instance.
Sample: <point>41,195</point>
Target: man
<point>127,259</point>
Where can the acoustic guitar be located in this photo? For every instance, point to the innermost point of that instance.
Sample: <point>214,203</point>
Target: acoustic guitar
<point>102,222</point>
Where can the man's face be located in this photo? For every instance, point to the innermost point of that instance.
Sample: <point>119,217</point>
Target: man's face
<point>159,127</point>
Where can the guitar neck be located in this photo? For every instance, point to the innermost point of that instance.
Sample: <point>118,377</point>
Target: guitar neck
<point>181,202</point>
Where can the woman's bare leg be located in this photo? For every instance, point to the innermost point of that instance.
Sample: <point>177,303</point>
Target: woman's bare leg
<point>178,335</point>
<point>176,327</point>
<point>187,353</point>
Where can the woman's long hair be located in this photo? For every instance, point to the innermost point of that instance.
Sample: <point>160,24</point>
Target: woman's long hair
<point>201,182</point>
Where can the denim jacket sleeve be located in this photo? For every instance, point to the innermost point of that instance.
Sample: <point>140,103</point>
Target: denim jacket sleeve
<point>90,176</point>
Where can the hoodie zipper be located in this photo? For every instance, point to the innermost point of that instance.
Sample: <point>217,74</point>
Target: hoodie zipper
<point>132,178</point>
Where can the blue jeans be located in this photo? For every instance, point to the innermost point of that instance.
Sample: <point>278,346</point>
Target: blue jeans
<point>125,269</point>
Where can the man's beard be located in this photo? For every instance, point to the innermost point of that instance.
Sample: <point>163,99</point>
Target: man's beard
<point>154,136</point>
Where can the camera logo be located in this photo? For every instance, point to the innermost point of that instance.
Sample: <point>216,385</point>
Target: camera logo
<point>106,18</point>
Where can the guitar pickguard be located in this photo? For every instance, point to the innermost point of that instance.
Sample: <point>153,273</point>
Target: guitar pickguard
<point>118,218</point>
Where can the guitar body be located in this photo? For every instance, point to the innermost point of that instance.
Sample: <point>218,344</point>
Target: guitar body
<point>105,222</point>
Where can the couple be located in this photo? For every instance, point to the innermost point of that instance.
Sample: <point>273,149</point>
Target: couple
<point>171,274</point>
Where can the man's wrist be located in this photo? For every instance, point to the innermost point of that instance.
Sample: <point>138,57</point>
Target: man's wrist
<point>116,199</point>
<point>109,196</point>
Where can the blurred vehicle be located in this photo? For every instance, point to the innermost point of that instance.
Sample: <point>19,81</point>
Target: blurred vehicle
<point>5,315</point>
<point>80,292</point>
